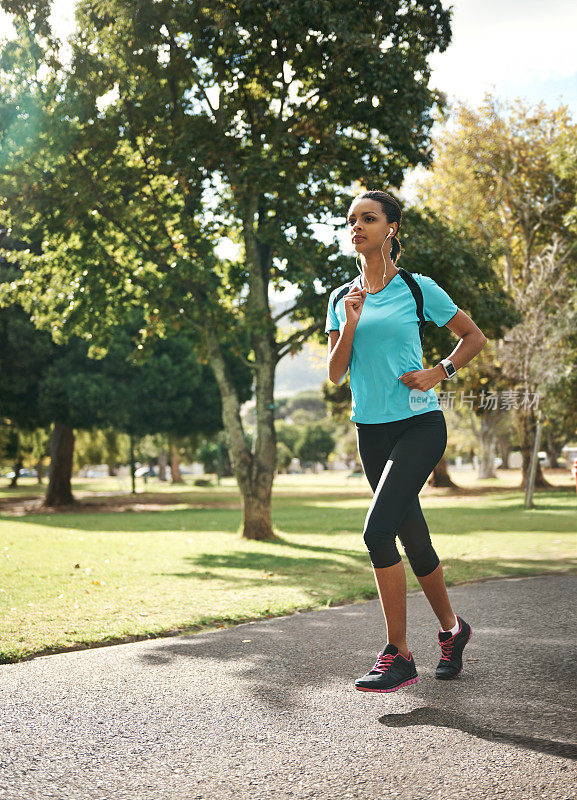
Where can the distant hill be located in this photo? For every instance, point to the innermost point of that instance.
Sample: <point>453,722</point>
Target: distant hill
<point>305,370</point>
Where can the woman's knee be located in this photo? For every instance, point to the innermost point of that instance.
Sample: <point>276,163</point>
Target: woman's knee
<point>382,549</point>
<point>422,558</point>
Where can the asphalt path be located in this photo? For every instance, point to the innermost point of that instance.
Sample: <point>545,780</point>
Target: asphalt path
<point>268,709</point>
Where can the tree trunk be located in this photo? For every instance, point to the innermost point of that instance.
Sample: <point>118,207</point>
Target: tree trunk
<point>39,471</point>
<point>525,420</point>
<point>162,461</point>
<point>14,481</point>
<point>487,446</point>
<point>111,439</point>
<point>254,472</point>
<point>175,463</point>
<point>552,452</point>
<point>256,517</point>
<point>440,476</point>
<point>503,451</point>
<point>59,491</point>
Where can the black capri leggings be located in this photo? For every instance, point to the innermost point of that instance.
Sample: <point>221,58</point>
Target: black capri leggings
<point>397,458</point>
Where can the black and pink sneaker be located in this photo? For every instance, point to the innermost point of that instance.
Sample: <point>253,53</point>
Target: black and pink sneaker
<point>392,671</point>
<point>452,646</point>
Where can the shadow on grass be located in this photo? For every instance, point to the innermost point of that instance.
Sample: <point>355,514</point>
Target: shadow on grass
<point>299,515</point>
<point>325,587</point>
<point>185,520</point>
<point>283,568</point>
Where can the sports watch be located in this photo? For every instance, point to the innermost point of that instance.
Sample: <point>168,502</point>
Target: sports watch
<point>449,367</point>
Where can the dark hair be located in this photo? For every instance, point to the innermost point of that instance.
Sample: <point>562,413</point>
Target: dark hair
<point>394,214</point>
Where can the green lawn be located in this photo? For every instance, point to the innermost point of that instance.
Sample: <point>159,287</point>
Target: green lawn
<point>70,579</point>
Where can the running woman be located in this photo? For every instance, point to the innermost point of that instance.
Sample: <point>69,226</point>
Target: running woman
<point>375,324</point>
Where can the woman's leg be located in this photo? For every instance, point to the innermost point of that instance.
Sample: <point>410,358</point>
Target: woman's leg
<point>434,587</point>
<point>391,581</point>
<point>416,539</point>
<point>419,443</point>
<point>392,586</point>
<point>374,447</point>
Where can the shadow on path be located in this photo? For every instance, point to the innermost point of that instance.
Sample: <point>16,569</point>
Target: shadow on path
<point>427,715</point>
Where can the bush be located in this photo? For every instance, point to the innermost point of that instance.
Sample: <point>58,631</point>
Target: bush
<point>202,482</point>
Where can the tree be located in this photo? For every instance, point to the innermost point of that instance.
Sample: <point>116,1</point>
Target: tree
<point>24,354</point>
<point>45,383</point>
<point>168,392</point>
<point>496,177</point>
<point>315,443</point>
<point>538,351</point>
<point>179,123</point>
<point>101,446</point>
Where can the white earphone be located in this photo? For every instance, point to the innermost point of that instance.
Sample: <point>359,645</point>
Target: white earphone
<point>391,231</point>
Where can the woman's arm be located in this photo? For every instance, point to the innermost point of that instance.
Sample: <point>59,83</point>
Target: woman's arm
<point>340,346</point>
<point>471,342</point>
<point>339,356</point>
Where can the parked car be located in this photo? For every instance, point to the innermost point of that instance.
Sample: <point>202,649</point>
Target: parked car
<point>24,473</point>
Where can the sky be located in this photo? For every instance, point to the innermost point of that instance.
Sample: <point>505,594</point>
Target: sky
<point>524,48</point>
<point>513,48</point>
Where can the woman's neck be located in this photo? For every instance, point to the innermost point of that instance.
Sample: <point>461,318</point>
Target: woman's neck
<point>375,276</point>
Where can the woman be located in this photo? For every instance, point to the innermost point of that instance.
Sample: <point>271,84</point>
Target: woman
<point>375,324</point>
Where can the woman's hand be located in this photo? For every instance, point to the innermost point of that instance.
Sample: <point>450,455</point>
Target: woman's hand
<point>354,301</point>
<point>423,379</point>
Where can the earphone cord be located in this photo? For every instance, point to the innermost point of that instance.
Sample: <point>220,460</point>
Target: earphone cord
<point>362,272</point>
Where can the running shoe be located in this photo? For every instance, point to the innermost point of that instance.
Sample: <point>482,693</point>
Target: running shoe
<point>452,646</point>
<point>392,671</point>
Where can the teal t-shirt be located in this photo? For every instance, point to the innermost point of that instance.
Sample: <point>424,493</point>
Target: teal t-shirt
<point>386,344</point>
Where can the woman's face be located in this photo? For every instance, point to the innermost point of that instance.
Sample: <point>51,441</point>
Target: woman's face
<point>368,225</point>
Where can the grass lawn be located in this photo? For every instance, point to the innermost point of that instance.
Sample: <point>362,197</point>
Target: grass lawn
<point>172,559</point>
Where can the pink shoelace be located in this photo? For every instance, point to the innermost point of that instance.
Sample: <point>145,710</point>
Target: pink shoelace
<point>447,648</point>
<point>383,662</point>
